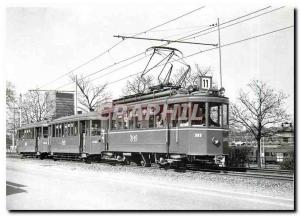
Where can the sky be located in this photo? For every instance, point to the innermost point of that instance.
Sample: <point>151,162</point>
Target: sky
<point>46,41</point>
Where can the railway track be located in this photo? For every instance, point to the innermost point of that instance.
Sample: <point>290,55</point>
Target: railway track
<point>285,175</point>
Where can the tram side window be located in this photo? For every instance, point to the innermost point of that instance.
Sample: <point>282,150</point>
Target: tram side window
<point>62,129</point>
<point>70,128</point>
<point>53,130</point>
<point>144,121</point>
<point>57,130</point>
<point>225,114</point>
<point>198,114</point>
<point>87,127</point>
<point>125,121</point>
<point>21,134</point>
<point>130,120</point>
<point>151,121</point>
<point>117,122</point>
<point>28,133</point>
<point>214,114</point>
<point>66,129</point>
<point>184,113</point>
<point>75,128</point>
<point>45,132</point>
<point>96,128</point>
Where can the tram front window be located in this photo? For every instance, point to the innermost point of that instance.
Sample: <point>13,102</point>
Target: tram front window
<point>198,114</point>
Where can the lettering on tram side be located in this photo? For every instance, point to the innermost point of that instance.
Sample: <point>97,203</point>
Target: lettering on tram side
<point>133,138</point>
<point>63,142</point>
<point>198,135</point>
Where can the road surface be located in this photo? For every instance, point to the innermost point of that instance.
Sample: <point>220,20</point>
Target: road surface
<point>37,186</point>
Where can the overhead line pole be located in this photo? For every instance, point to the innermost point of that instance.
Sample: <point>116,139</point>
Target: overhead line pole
<point>76,94</point>
<point>220,54</point>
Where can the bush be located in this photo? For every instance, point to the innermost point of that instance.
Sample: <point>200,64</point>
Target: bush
<point>287,164</point>
<point>8,141</point>
<point>238,156</point>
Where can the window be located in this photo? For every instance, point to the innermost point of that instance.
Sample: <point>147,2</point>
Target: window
<point>225,114</point>
<point>96,128</point>
<point>45,132</point>
<point>184,114</point>
<point>29,133</point>
<point>130,120</point>
<point>198,114</point>
<point>151,121</point>
<point>53,130</point>
<point>75,128</point>
<point>214,115</point>
<point>285,139</point>
<point>66,129</point>
<point>21,134</point>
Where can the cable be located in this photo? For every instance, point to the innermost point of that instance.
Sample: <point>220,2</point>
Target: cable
<point>207,50</point>
<point>226,22</point>
<point>116,44</point>
<point>237,22</point>
<point>239,41</point>
<point>234,19</point>
<point>169,21</point>
<point>107,72</point>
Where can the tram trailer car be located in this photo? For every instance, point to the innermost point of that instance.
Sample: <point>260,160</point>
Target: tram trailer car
<point>78,136</point>
<point>33,139</point>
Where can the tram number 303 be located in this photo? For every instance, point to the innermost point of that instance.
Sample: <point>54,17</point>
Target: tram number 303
<point>133,138</point>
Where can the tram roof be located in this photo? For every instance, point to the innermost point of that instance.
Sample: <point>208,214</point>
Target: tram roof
<point>34,124</point>
<point>175,98</point>
<point>89,115</point>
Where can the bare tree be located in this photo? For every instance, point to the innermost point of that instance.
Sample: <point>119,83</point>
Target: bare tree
<point>12,114</point>
<point>192,78</point>
<point>258,110</point>
<point>10,93</point>
<point>36,106</point>
<point>90,97</point>
<point>138,85</point>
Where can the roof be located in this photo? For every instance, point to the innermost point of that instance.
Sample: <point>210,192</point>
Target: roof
<point>84,116</point>
<point>35,124</point>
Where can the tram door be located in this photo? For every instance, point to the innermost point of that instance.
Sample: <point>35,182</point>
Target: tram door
<point>82,137</point>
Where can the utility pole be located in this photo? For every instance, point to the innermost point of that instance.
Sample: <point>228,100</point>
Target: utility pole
<point>13,136</point>
<point>20,109</point>
<point>220,58</point>
<point>75,94</point>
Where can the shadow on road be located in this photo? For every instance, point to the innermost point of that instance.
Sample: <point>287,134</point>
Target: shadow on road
<point>14,188</point>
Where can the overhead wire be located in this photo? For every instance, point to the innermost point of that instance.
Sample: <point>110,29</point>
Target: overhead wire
<point>116,44</point>
<point>235,23</point>
<point>210,49</point>
<point>231,20</point>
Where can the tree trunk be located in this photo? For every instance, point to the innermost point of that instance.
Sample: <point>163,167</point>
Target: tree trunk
<point>258,153</point>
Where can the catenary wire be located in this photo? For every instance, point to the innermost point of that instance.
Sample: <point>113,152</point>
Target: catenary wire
<point>253,12</point>
<point>207,50</point>
<point>116,44</point>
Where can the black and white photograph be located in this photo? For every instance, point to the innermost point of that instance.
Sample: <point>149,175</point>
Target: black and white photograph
<point>149,105</point>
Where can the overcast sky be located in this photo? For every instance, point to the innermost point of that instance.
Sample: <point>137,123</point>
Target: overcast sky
<point>45,42</point>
